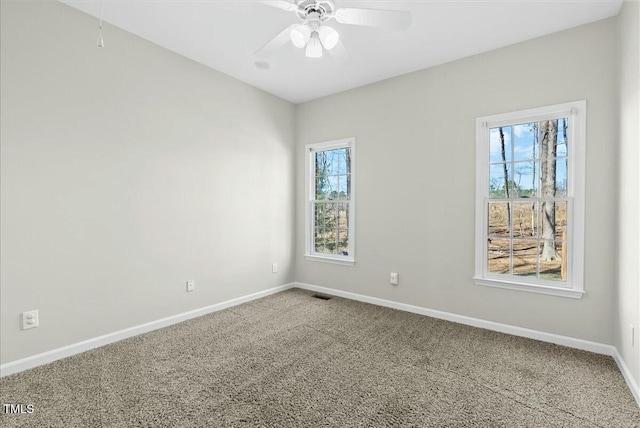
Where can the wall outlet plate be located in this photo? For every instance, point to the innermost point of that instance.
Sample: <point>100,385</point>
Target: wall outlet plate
<point>393,278</point>
<point>30,319</point>
<point>191,285</point>
<point>274,268</point>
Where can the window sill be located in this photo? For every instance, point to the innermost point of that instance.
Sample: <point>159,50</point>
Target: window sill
<point>540,289</point>
<point>324,259</point>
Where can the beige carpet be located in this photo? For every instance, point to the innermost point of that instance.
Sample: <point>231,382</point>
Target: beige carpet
<point>293,360</point>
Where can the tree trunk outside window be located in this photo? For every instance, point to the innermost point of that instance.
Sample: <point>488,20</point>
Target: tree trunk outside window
<point>549,139</point>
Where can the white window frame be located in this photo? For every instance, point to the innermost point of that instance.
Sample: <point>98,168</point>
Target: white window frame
<point>574,285</point>
<point>310,151</point>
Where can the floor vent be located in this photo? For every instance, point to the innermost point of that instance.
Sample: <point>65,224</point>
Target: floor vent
<point>321,296</point>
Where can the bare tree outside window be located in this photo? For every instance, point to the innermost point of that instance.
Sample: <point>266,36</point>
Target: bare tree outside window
<point>549,139</point>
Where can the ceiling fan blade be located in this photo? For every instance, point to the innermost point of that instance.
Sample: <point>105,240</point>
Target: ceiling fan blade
<point>278,42</point>
<point>339,54</point>
<point>281,4</point>
<point>392,19</point>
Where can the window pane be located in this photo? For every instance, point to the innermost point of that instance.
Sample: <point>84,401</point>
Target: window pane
<point>344,187</point>
<point>560,218</point>
<point>563,250</point>
<point>326,163</point>
<point>561,147</point>
<point>499,219</point>
<point>343,216</point>
<point>322,164</point>
<point>525,219</point>
<point>333,174</point>
<point>552,173</point>
<point>320,215</point>
<point>323,189</point>
<point>343,160</point>
<point>500,144</point>
<point>343,229</point>
<point>525,179</point>
<point>330,218</point>
<point>553,219</point>
<point>498,258</point>
<point>551,268</point>
<point>524,141</point>
<point>326,227</point>
<point>552,258</point>
<point>330,242</point>
<point>547,177</point>
<point>343,243</point>
<point>525,254</point>
<point>547,227</point>
<point>318,223</point>
<point>561,177</point>
<point>319,240</point>
<point>499,179</point>
<point>332,187</point>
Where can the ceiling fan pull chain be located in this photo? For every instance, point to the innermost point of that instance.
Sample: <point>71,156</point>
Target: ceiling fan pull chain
<point>100,39</point>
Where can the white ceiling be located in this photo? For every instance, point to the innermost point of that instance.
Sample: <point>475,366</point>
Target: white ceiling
<point>225,34</point>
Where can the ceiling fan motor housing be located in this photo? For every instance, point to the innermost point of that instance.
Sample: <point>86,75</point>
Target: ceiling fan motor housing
<point>308,8</point>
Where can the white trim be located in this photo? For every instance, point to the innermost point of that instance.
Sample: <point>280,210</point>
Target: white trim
<point>96,342</point>
<point>575,199</point>
<point>334,260</point>
<point>482,178</point>
<point>309,253</point>
<point>577,178</point>
<point>626,373</point>
<point>532,288</point>
<point>527,116</point>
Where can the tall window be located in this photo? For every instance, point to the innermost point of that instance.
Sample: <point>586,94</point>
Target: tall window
<point>530,200</point>
<point>330,213</point>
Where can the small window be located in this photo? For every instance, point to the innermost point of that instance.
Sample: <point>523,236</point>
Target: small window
<point>330,175</point>
<point>530,200</point>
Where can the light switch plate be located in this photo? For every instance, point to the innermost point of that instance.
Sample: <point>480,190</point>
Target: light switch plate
<point>30,319</point>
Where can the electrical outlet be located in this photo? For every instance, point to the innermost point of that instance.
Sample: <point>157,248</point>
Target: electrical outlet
<point>30,319</point>
<point>274,268</point>
<point>393,279</point>
<point>191,285</point>
<point>633,335</point>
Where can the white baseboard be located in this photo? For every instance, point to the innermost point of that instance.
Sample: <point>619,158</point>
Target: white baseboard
<point>571,342</point>
<point>585,345</point>
<point>96,342</point>
<point>626,373</point>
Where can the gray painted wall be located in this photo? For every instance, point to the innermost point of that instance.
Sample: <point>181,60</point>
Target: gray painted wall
<point>628,297</point>
<point>415,136</point>
<point>126,171</point>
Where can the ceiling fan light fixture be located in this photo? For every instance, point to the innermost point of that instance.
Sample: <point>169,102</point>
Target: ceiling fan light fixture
<point>300,35</point>
<point>314,47</point>
<point>328,36</point>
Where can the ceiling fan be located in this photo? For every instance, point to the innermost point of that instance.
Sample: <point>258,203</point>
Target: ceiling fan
<point>314,34</point>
